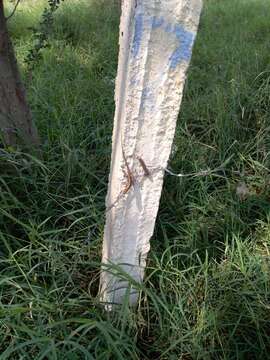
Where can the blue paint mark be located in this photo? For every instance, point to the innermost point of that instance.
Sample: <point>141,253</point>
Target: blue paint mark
<point>169,28</point>
<point>183,51</point>
<point>157,22</point>
<point>184,37</point>
<point>148,99</point>
<point>138,35</point>
<point>146,94</point>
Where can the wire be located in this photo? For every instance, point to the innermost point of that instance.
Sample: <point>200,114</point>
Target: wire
<point>201,172</point>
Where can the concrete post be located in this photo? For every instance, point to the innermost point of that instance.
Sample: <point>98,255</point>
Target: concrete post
<point>156,39</point>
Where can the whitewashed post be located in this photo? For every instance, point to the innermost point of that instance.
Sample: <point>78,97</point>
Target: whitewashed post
<point>156,39</point>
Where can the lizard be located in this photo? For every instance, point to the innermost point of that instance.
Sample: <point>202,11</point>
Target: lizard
<point>129,174</point>
<point>145,169</point>
<point>130,181</point>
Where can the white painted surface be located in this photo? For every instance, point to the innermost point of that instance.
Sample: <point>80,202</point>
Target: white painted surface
<point>156,38</point>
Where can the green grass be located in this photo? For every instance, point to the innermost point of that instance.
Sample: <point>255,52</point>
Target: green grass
<point>207,289</point>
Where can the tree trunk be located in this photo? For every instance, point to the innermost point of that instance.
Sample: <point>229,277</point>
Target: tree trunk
<point>16,125</point>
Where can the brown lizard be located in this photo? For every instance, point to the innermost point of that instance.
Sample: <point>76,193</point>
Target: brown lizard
<point>129,174</point>
<point>130,182</point>
<point>145,169</point>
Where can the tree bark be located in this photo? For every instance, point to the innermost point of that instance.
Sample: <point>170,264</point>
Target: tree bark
<point>16,124</point>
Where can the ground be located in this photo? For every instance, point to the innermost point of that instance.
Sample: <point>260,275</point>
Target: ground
<point>206,294</point>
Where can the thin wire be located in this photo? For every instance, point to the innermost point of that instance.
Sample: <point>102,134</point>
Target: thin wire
<point>201,172</point>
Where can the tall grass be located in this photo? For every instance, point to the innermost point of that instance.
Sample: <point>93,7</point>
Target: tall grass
<point>206,294</point>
